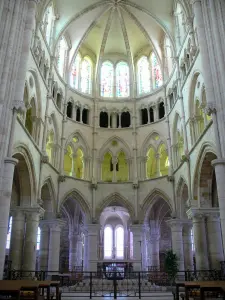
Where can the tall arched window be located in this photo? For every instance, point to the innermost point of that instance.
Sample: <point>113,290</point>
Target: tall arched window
<point>108,242</point>
<point>122,80</point>
<point>107,74</point>
<point>143,74</point>
<point>85,80</point>
<point>61,56</point>
<point>48,23</point>
<point>119,242</point>
<point>156,72</point>
<point>75,72</point>
<point>9,233</point>
<point>131,245</point>
<point>38,238</point>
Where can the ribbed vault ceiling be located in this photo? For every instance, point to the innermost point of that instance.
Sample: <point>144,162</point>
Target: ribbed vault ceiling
<point>114,27</point>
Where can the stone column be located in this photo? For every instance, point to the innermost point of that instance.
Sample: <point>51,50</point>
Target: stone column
<point>187,246</point>
<point>79,251</point>
<point>154,249</point>
<point>44,246</point>
<point>214,240</point>
<point>219,165</point>
<point>176,226</point>
<point>200,242</point>
<point>54,244</point>
<point>17,238</point>
<point>137,246</point>
<point>32,221</point>
<point>6,191</point>
<point>92,247</point>
<point>72,250</point>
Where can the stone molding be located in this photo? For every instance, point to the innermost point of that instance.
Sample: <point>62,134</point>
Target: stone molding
<point>175,224</point>
<point>54,224</point>
<point>11,160</point>
<point>218,161</point>
<point>202,213</point>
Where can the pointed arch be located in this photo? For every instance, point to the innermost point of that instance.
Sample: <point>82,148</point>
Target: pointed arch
<point>48,198</point>
<point>106,79</point>
<point>206,154</point>
<point>182,196</point>
<point>79,198</point>
<point>61,56</point>
<point>115,199</point>
<point>86,75</point>
<point>150,200</point>
<point>75,72</point>
<point>157,79</point>
<point>122,80</point>
<point>143,76</point>
<point>121,144</point>
<point>28,179</point>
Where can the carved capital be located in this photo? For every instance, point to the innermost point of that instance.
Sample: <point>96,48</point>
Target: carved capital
<point>170,178</point>
<point>61,178</point>
<point>19,106</point>
<point>210,108</point>
<point>44,158</point>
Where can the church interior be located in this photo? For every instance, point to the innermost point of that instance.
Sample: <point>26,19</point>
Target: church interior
<point>112,133</point>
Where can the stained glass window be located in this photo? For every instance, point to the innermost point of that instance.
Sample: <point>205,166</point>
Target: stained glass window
<point>156,72</point>
<point>108,242</point>
<point>119,237</point>
<point>144,85</point>
<point>107,79</point>
<point>9,233</point>
<point>61,55</point>
<point>74,75</point>
<point>38,238</point>
<point>131,244</point>
<point>85,82</point>
<point>122,80</point>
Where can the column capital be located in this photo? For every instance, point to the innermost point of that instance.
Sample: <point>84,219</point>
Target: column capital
<point>54,224</point>
<point>210,108</point>
<point>175,224</point>
<point>92,229</point>
<point>200,213</point>
<point>35,212</point>
<point>195,1</point>
<point>136,228</point>
<point>220,161</point>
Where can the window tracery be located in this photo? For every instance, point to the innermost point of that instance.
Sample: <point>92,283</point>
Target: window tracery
<point>75,72</point>
<point>143,74</point>
<point>107,74</point>
<point>157,79</point>
<point>113,242</point>
<point>122,80</point>
<point>61,56</point>
<point>85,80</point>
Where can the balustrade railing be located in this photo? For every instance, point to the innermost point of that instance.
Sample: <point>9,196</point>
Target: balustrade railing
<point>115,284</point>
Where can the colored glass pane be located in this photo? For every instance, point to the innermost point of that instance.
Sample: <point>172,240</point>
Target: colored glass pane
<point>156,72</point>
<point>107,79</point>
<point>9,233</point>
<point>85,84</point>
<point>122,80</point>
<point>74,75</point>
<point>61,57</point>
<point>119,237</point>
<point>108,242</point>
<point>143,76</point>
<point>38,238</point>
